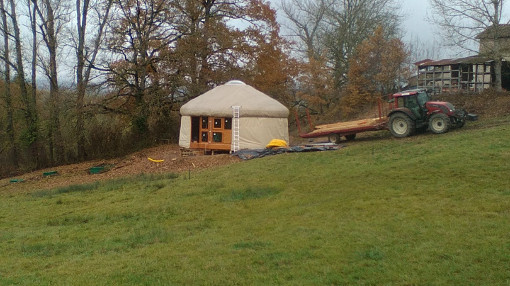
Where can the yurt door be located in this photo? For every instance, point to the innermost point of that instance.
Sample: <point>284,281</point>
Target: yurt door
<point>214,133</point>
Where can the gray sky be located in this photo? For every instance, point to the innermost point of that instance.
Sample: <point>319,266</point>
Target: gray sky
<point>417,29</point>
<point>415,23</point>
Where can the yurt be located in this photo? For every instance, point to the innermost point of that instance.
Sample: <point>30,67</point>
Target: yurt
<point>232,117</point>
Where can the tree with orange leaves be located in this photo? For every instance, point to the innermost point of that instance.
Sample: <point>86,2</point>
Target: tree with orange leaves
<point>270,68</point>
<point>377,68</point>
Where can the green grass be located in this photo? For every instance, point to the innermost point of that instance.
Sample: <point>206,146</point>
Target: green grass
<point>425,210</point>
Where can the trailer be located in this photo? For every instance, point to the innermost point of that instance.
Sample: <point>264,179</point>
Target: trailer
<point>348,129</point>
<point>335,131</point>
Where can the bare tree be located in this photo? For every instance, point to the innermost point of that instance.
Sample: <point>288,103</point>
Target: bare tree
<point>307,24</point>
<point>31,135</point>
<point>12,31</point>
<point>464,22</point>
<point>352,21</point>
<point>140,32</point>
<point>33,97</point>
<point>53,16</point>
<point>7,90</point>
<point>419,50</point>
<point>86,54</point>
<point>338,27</point>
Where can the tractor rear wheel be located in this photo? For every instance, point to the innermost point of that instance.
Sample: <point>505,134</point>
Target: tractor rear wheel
<point>439,123</point>
<point>334,138</point>
<point>401,125</point>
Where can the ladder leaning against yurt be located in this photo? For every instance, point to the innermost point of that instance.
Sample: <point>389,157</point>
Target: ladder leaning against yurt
<point>235,127</point>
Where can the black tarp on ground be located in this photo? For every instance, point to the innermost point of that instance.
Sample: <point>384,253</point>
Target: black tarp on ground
<point>259,153</point>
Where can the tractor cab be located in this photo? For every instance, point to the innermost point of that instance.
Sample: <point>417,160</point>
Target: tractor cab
<point>414,104</point>
<point>414,101</point>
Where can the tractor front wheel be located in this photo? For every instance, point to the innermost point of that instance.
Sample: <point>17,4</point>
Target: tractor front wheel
<point>439,123</point>
<point>401,125</point>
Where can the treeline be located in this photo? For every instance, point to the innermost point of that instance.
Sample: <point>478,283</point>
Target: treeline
<point>132,64</point>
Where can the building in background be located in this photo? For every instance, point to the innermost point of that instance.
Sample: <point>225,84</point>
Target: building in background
<point>474,73</point>
<point>449,75</point>
<point>490,36</point>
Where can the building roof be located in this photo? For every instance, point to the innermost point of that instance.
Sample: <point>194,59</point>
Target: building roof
<point>408,92</point>
<point>422,62</point>
<point>219,101</point>
<point>503,31</point>
<point>447,62</point>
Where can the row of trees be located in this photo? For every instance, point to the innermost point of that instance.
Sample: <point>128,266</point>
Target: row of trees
<point>128,65</point>
<point>132,62</point>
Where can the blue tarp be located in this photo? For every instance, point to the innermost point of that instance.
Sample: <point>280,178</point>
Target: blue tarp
<point>259,153</point>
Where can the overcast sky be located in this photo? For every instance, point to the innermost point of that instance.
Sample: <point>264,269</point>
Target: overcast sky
<point>415,26</point>
<point>415,23</point>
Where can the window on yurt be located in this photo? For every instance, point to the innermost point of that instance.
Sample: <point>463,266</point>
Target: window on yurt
<point>228,123</point>
<point>217,136</point>
<point>217,123</point>
<point>204,136</point>
<point>205,122</point>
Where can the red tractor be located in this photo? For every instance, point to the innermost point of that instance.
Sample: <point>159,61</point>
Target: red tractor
<point>409,111</point>
<point>412,110</point>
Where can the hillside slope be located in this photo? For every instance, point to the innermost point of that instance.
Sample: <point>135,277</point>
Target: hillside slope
<point>491,107</point>
<point>424,210</point>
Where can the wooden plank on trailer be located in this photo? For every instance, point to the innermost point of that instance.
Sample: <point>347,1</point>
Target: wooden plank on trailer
<point>349,125</point>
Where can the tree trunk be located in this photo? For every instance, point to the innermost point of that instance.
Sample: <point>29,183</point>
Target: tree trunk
<point>80,126</point>
<point>7,91</point>
<point>29,102</point>
<point>497,74</point>
<point>81,22</point>
<point>50,38</point>
<point>82,71</point>
<point>35,147</point>
<point>497,46</point>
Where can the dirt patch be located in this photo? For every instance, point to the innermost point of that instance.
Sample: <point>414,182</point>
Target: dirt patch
<point>133,164</point>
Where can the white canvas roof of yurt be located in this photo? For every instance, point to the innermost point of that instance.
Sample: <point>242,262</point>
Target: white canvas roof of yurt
<point>261,117</point>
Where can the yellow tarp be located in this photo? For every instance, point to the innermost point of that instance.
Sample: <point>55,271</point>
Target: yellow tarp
<point>277,143</point>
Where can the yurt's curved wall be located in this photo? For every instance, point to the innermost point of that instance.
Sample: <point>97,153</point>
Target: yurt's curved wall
<point>185,132</point>
<point>256,132</point>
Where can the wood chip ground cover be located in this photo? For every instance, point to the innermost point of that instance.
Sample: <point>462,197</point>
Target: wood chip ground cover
<point>134,164</point>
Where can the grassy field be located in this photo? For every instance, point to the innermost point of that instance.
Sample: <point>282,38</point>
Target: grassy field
<point>425,210</point>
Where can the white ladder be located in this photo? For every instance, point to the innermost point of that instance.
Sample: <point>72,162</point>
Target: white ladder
<point>235,128</point>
